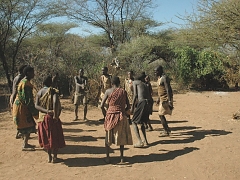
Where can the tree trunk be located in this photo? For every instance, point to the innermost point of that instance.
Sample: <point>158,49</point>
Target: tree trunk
<point>5,67</point>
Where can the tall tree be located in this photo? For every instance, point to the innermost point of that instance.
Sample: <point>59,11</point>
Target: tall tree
<point>18,20</point>
<point>115,17</point>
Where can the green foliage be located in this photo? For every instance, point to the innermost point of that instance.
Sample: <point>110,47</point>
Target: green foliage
<point>199,68</point>
<point>209,62</point>
<point>186,60</point>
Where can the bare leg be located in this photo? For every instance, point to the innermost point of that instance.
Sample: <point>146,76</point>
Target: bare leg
<point>25,140</point>
<point>165,124</point>
<point>144,134</point>
<point>85,111</point>
<point>49,151</point>
<point>107,160</point>
<point>150,125</point>
<point>54,155</point>
<point>76,111</point>
<point>136,130</point>
<point>121,153</point>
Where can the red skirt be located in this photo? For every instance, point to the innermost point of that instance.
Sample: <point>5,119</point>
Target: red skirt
<point>50,133</point>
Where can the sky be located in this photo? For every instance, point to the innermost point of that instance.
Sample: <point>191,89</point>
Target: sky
<point>166,11</point>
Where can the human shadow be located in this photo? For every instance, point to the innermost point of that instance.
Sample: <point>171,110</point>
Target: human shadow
<point>179,128</point>
<point>72,130</point>
<point>157,121</point>
<point>76,138</point>
<point>170,155</point>
<point>83,149</point>
<point>195,136</point>
<point>78,130</point>
<point>72,123</point>
<point>91,161</point>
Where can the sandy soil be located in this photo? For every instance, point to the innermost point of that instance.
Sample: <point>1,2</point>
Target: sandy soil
<point>204,144</point>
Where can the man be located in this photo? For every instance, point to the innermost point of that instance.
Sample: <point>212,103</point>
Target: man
<point>56,82</point>
<point>80,96</point>
<point>105,83</point>
<point>50,133</point>
<point>141,110</point>
<point>128,86</point>
<point>24,110</point>
<point>16,81</point>
<point>165,98</point>
<point>116,124</point>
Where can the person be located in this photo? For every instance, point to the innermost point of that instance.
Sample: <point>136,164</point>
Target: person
<point>128,86</point>
<point>16,81</point>
<point>105,83</point>
<point>148,83</point>
<point>55,81</point>
<point>141,110</point>
<point>50,133</point>
<point>165,98</point>
<point>24,110</point>
<point>116,123</point>
<point>80,96</point>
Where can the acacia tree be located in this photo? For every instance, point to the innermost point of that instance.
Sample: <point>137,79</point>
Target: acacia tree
<point>18,20</point>
<point>115,17</point>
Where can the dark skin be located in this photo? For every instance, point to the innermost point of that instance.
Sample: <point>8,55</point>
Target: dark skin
<point>164,81</point>
<point>55,112</point>
<point>79,88</point>
<point>130,76</point>
<point>101,86</point>
<point>140,92</point>
<point>147,81</point>
<point>30,75</point>
<point>106,95</point>
<point>16,81</point>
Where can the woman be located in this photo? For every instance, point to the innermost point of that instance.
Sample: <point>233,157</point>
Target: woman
<point>23,108</point>
<point>116,123</point>
<point>50,133</point>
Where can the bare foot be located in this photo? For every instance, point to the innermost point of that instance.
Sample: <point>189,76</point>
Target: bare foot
<point>138,145</point>
<point>49,159</point>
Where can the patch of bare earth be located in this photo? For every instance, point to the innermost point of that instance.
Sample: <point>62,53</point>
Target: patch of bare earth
<point>204,144</point>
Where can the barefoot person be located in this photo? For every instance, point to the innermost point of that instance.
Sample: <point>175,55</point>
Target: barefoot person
<point>50,133</point>
<point>80,96</point>
<point>105,83</point>
<point>148,83</point>
<point>128,86</point>
<point>116,123</point>
<point>16,81</point>
<point>165,98</point>
<point>141,110</point>
<point>24,109</point>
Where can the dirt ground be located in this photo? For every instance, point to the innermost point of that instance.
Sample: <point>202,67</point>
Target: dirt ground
<point>204,144</point>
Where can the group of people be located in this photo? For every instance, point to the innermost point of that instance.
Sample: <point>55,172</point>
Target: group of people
<point>119,104</point>
<point>121,107</point>
<point>46,111</point>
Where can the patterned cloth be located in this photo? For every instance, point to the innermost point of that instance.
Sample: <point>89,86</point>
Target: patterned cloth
<point>50,133</point>
<point>128,86</point>
<point>116,124</point>
<point>24,109</point>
